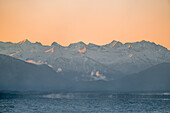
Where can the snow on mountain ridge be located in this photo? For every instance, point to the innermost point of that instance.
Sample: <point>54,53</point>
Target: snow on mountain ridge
<point>26,41</point>
<point>56,44</point>
<point>81,43</point>
<point>114,44</point>
<point>78,44</point>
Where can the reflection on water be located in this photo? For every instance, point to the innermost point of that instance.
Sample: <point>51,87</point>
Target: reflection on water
<point>84,102</point>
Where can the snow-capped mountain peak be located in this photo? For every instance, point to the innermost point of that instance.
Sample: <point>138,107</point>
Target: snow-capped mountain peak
<point>25,41</point>
<point>38,43</point>
<point>78,44</point>
<point>56,44</point>
<point>114,44</point>
<point>92,45</point>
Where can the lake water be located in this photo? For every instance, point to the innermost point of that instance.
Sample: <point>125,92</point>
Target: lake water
<point>85,102</point>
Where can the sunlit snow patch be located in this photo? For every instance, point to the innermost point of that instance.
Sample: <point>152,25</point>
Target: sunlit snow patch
<point>59,70</point>
<point>97,73</point>
<point>82,50</point>
<point>31,61</point>
<point>97,76</point>
<point>50,50</point>
<point>130,55</point>
<point>92,73</point>
<point>50,65</point>
<point>114,44</point>
<point>14,53</point>
<point>22,41</point>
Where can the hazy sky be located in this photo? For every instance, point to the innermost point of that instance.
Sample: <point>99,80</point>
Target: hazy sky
<point>96,21</point>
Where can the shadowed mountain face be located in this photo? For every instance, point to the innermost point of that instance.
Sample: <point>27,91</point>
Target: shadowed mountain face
<point>20,75</point>
<point>156,78</point>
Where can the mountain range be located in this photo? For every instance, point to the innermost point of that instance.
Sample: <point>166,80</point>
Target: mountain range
<point>90,62</point>
<point>18,75</point>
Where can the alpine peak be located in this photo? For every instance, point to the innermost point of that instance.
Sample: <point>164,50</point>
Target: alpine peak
<point>55,44</point>
<point>24,41</point>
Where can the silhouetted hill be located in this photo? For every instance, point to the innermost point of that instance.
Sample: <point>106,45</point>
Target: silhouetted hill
<point>156,78</point>
<point>16,74</point>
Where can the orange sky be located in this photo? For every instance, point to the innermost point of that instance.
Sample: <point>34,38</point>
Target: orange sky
<point>95,21</point>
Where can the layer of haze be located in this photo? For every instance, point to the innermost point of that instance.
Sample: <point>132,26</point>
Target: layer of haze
<point>95,21</point>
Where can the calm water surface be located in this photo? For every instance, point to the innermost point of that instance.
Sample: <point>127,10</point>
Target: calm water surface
<point>85,103</point>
